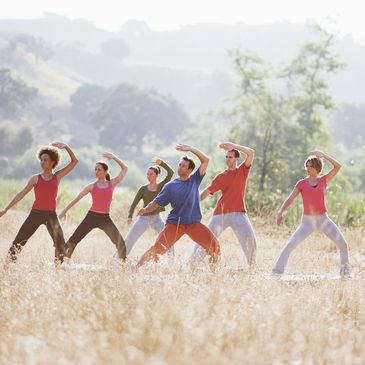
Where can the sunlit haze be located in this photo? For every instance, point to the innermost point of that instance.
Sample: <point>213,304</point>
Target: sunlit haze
<point>165,15</point>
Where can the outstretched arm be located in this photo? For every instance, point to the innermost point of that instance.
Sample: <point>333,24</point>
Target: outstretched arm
<point>336,165</point>
<point>18,197</point>
<point>67,169</point>
<point>204,194</point>
<point>204,159</point>
<point>285,205</point>
<point>123,168</point>
<point>250,153</point>
<point>136,200</point>
<point>85,191</point>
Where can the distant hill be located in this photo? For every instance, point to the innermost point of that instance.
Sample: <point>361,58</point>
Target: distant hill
<point>190,63</point>
<point>55,82</point>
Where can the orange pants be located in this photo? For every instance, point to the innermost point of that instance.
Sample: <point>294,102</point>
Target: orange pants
<point>197,231</point>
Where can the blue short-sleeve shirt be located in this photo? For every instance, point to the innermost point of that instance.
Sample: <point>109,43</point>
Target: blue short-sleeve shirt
<point>183,195</point>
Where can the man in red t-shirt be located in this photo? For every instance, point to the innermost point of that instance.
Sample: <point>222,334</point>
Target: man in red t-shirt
<point>230,210</point>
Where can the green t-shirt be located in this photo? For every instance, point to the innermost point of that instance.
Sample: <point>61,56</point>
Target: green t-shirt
<point>147,196</point>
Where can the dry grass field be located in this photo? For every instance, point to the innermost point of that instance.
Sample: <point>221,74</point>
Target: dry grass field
<point>94,312</point>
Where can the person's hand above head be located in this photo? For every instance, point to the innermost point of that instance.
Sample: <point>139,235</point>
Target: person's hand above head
<point>183,147</point>
<point>227,146</point>
<point>108,155</point>
<point>59,144</point>
<point>156,160</point>
<point>317,153</point>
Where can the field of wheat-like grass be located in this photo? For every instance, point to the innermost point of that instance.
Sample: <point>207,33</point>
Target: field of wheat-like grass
<point>94,311</point>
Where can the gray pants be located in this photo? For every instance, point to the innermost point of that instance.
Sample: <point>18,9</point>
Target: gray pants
<point>241,227</point>
<point>140,226</point>
<point>308,225</point>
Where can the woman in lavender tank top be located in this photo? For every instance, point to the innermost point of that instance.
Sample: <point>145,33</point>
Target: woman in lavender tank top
<point>315,218</point>
<point>98,216</point>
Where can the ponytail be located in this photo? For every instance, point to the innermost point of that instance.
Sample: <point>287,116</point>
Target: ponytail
<point>107,176</point>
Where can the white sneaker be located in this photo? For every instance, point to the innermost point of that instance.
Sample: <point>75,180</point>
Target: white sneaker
<point>345,272</point>
<point>117,260</point>
<point>275,275</point>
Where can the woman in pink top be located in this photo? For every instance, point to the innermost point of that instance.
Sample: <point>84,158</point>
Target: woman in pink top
<point>98,216</point>
<point>45,185</point>
<point>315,218</point>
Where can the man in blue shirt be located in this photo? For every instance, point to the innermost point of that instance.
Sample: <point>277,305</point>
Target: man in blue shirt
<point>185,216</point>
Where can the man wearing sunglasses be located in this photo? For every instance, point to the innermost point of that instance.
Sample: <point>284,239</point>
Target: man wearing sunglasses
<point>230,210</point>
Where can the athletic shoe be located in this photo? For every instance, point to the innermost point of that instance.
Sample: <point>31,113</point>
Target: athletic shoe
<point>345,272</point>
<point>276,275</point>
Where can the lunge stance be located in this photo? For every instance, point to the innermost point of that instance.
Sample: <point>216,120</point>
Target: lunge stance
<point>230,210</point>
<point>183,195</point>
<point>43,211</point>
<point>147,193</point>
<point>98,216</point>
<point>315,218</point>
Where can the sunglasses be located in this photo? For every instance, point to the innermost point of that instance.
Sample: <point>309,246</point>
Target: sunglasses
<point>229,156</point>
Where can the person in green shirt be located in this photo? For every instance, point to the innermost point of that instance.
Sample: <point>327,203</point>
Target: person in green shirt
<point>148,193</point>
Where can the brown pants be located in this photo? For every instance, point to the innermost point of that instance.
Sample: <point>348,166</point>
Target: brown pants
<point>103,222</point>
<point>30,225</point>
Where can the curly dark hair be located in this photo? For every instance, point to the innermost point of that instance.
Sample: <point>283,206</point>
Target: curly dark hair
<point>53,152</point>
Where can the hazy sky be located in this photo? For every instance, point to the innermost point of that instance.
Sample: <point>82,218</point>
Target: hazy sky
<point>170,14</point>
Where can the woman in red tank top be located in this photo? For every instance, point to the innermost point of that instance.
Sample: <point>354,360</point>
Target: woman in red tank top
<point>98,216</point>
<point>315,218</point>
<point>43,211</point>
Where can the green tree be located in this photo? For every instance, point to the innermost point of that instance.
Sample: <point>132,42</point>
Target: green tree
<point>130,117</point>
<point>13,141</point>
<point>310,99</point>
<point>14,94</point>
<point>280,112</point>
<point>261,113</point>
<point>86,100</point>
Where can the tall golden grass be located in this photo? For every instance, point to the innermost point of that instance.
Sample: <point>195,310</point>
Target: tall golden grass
<point>169,313</point>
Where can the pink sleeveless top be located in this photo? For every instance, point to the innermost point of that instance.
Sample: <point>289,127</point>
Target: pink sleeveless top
<point>102,198</point>
<point>313,197</point>
<point>45,194</point>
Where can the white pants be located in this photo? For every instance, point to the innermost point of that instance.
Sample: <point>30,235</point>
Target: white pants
<point>308,225</point>
<point>241,227</point>
<point>140,226</point>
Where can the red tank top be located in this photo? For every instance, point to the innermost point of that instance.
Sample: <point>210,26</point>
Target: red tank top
<point>45,193</point>
<point>102,198</point>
